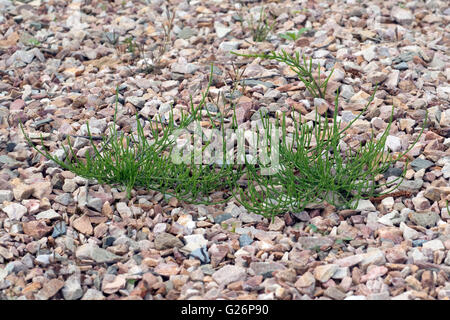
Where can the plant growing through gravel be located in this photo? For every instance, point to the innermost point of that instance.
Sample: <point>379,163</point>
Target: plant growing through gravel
<point>139,50</point>
<point>135,161</point>
<point>261,28</point>
<point>293,35</point>
<point>132,47</point>
<point>302,66</point>
<point>111,37</point>
<point>34,42</point>
<point>161,49</point>
<point>313,166</point>
<point>238,87</point>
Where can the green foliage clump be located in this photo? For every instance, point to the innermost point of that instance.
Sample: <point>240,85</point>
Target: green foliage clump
<point>293,35</point>
<point>135,161</point>
<point>261,28</point>
<point>313,166</point>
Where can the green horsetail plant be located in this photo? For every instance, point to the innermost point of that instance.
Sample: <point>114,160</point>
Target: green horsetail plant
<point>301,66</point>
<point>314,169</point>
<point>135,161</point>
